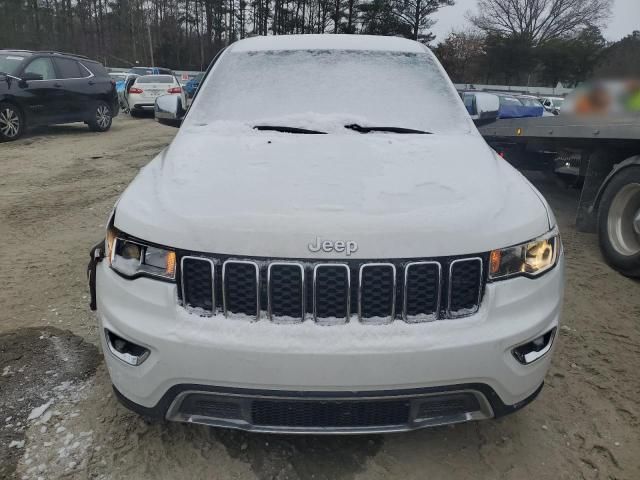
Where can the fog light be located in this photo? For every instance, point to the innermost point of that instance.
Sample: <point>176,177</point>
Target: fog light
<point>535,349</point>
<point>124,350</point>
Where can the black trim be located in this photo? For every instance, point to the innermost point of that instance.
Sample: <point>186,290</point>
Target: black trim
<point>96,255</point>
<point>159,411</point>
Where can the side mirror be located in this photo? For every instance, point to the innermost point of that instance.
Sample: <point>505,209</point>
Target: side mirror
<point>30,76</point>
<point>169,110</point>
<point>487,107</point>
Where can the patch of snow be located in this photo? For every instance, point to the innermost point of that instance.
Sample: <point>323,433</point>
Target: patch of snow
<point>16,444</point>
<point>68,438</point>
<point>36,412</point>
<point>46,417</point>
<point>308,336</point>
<point>327,42</point>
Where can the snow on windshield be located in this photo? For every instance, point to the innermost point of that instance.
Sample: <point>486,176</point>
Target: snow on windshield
<point>379,88</point>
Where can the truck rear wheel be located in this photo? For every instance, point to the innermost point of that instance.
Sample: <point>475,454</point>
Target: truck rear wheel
<point>619,222</point>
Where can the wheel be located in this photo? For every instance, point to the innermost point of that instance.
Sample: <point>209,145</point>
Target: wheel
<point>101,119</point>
<point>619,222</point>
<point>11,122</point>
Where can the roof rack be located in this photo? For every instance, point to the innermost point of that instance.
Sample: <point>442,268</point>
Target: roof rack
<point>53,52</point>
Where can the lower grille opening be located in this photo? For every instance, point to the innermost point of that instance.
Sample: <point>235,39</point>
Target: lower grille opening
<point>329,413</point>
<point>324,414</point>
<point>206,406</point>
<point>447,405</point>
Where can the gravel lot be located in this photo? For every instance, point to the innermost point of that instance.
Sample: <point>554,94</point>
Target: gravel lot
<point>57,186</point>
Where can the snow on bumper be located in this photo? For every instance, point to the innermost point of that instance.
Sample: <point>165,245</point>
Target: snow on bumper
<point>231,352</point>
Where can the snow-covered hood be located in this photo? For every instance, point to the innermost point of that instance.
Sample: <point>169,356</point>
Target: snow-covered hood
<point>272,194</point>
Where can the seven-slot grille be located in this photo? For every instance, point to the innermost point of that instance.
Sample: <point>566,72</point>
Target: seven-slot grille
<point>290,291</point>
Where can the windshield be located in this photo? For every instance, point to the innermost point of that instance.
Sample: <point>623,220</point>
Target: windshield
<point>530,102</point>
<point>155,79</point>
<point>141,70</point>
<point>297,87</point>
<point>511,101</point>
<point>9,63</point>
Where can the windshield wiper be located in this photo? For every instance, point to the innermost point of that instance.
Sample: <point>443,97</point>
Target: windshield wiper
<point>285,129</point>
<point>362,129</point>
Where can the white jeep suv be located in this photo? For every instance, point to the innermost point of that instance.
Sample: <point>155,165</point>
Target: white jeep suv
<point>328,245</point>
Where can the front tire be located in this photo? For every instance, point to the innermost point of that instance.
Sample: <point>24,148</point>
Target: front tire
<point>619,222</point>
<point>12,122</point>
<point>102,118</point>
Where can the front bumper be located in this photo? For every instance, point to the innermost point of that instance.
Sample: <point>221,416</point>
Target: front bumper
<point>327,412</point>
<point>352,362</point>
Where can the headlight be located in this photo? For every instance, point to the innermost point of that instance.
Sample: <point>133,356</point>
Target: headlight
<point>132,258</point>
<point>529,259</point>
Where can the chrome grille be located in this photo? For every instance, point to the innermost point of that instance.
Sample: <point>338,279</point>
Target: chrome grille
<point>464,296</point>
<point>329,293</point>
<point>377,292</point>
<point>198,283</point>
<point>285,287</point>
<point>422,290</point>
<point>241,287</point>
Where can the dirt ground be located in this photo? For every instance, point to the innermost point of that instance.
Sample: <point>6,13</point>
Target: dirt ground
<point>57,186</point>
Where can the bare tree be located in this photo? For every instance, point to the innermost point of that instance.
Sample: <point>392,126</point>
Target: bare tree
<point>415,14</point>
<point>539,20</point>
<point>188,33</point>
<point>461,54</point>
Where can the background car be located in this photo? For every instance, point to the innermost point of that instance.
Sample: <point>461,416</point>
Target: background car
<point>192,85</point>
<point>534,102</point>
<point>510,106</point>
<point>46,88</point>
<point>552,104</point>
<point>123,89</point>
<point>513,107</point>
<point>119,78</point>
<point>145,89</point>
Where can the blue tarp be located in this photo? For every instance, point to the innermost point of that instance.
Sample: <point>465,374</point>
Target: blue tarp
<point>514,111</point>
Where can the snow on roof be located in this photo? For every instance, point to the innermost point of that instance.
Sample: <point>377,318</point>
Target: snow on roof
<point>327,42</point>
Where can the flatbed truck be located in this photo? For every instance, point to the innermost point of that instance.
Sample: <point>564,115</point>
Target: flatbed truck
<point>604,155</point>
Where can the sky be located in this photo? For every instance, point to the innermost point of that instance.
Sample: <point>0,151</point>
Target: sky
<point>625,18</point>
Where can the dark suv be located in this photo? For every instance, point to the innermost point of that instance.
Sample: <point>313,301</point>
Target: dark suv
<point>45,88</point>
